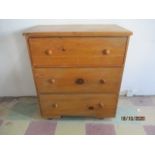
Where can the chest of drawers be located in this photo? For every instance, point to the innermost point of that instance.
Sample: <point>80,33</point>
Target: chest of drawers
<point>77,69</point>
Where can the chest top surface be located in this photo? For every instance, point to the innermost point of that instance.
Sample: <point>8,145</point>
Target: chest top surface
<point>77,30</point>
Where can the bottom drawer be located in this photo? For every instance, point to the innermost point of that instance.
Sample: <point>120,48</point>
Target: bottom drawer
<point>96,105</point>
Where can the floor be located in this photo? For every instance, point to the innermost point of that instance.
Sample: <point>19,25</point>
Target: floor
<point>135,116</point>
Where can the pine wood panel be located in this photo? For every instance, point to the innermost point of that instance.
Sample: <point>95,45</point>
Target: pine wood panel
<point>98,105</point>
<point>65,80</point>
<point>77,51</point>
<point>77,30</point>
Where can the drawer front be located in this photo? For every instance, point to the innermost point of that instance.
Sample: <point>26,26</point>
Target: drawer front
<point>77,80</point>
<point>78,105</point>
<point>77,51</point>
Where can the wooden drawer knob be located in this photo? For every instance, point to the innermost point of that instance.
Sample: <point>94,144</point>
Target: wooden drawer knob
<point>101,105</point>
<point>48,52</point>
<point>54,105</point>
<point>51,81</point>
<point>102,81</point>
<point>106,52</point>
<point>79,81</point>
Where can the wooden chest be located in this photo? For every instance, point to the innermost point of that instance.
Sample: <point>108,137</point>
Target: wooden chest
<point>77,69</point>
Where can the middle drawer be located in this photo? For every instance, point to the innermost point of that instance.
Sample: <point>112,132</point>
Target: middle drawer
<point>78,80</point>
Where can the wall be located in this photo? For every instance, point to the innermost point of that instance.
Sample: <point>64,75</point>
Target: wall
<point>15,71</point>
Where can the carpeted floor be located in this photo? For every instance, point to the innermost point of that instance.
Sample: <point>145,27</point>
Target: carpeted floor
<point>135,116</point>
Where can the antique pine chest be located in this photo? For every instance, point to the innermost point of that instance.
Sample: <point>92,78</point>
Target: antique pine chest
<point>77,69</point>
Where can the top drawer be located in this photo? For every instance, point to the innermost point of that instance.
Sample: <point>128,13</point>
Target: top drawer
<point>77,51</point>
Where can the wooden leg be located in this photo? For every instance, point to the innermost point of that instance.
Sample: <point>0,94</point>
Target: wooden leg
<point>100,117</point>
<point>54,117</point>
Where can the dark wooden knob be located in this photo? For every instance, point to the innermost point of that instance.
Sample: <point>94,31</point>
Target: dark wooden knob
<point>49,52</point>
<point>51,81</point>
<point>79,81</point>
<point>106,51</point>
<point>102,81</point>
<point>90,107</point>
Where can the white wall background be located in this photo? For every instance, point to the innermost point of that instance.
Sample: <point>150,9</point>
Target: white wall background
<point>15,70</point>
